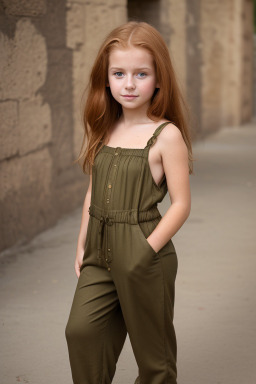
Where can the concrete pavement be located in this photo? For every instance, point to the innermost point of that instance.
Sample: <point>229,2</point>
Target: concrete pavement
<point>215,309</point>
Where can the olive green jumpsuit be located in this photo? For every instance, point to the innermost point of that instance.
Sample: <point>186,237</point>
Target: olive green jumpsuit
<point>124,285</point>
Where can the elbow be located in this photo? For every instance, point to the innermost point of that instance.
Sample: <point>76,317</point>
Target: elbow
<point>187,209</point>
<point>184,209</point>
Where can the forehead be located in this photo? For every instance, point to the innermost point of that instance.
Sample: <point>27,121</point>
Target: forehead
<point>130,57</point>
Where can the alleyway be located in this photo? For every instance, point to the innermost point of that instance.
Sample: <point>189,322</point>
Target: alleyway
<point>215,309</point>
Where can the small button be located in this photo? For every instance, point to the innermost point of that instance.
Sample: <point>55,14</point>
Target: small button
<point>109,185</point>
<point>108,249</point>
<point>116,153</point>
<point>108,269</point>
<point>114,165</point>
<point>107,201</point>
<point>106,259</point>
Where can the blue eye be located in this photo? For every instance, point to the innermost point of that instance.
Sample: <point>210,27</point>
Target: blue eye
<point>142,74</point>
<point>118,74</point>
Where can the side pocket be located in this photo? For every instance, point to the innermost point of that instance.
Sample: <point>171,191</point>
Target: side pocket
<point>144,236</point>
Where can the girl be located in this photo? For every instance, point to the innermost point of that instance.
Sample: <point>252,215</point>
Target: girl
<point>138,148</point>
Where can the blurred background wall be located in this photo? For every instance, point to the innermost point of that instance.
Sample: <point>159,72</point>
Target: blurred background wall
<point>47,49</point>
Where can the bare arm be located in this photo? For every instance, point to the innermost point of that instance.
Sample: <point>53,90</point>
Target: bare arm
<point>175,162</point>
<point>83,229</point>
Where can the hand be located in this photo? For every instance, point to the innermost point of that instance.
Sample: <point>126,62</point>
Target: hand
<point>151,245</point>
<point>78,262</point>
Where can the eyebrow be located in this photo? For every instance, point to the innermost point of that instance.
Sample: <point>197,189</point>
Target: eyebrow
<point>136,69</point>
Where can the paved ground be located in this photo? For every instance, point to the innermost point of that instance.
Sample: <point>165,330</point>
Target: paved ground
<point>215,315</point>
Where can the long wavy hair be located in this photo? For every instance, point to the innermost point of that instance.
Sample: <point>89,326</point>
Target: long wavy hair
<point>101,110</point>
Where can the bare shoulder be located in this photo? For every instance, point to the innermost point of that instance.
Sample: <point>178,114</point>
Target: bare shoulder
<point>173,151</point>
<point>170,132</point>
<point>171,138</point>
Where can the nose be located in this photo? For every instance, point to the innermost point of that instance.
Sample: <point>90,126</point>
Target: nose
<point>129,82</point>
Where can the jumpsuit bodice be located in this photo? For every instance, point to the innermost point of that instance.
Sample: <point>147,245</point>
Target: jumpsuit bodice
<point>122,178</point>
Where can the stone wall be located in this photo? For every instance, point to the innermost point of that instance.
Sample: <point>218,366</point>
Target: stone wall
<point>227,43</point>
<point>47,49</point>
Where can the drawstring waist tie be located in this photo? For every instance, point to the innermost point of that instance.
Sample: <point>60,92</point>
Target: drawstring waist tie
<point>109,217</point>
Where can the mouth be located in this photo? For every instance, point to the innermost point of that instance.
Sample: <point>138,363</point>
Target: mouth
<point>129,96</point>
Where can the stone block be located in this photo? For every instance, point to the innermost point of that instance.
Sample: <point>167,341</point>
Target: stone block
<point>177,45</point>
<point>30,8</point>
<point>23,61</point>
<point>25,196</point>
<point>53,25</point>
<point>9,132</point>
<point>58,87</point>
<point>75,25</point>
<point>32,171</point>
<point>35,127</point>
<point>62,150</point>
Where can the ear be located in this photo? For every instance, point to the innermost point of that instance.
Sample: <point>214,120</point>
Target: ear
<point>107,85</point>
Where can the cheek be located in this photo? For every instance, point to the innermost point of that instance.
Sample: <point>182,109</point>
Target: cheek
<point>149,87</point>
<point>113,85</point>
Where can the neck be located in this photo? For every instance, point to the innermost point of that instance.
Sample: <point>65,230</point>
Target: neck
<point>131,117</point>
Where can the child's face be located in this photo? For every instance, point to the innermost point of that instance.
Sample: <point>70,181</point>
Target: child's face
<point>131,76</point>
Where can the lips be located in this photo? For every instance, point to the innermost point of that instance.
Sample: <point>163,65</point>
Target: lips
<point>130,96</point>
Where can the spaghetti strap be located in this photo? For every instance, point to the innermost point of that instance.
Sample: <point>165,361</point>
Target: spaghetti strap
<point>152,139</point>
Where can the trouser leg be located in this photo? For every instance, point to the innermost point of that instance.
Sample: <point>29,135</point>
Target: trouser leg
<point>95,330</point>
<point>145,289</point>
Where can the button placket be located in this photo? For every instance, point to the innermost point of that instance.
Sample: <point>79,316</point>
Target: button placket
<point>108,221</point>
<point>107,255</point>
<point>108,258</point>
<point>112,176</point>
